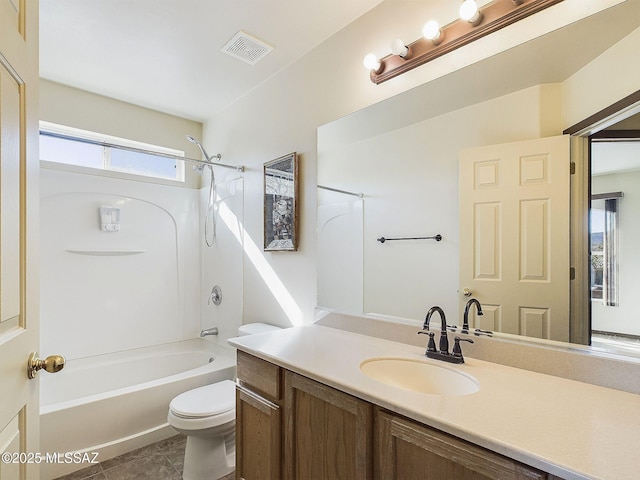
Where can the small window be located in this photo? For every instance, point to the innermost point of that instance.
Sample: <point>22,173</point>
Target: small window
<point>604,248</point>
<point>71,146</point>
<point>62,150</point>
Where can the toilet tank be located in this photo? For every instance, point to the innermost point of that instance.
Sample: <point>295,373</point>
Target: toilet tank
<point>253,328</point>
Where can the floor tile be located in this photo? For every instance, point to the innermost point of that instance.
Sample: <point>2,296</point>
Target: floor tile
<point>88,472</point>
<point>173,449</point>
<point>150,467</point>
<point>99,476</point>
<point>160,461</point>
<point>132,455</point>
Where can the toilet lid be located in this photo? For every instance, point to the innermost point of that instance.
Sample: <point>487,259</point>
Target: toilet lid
<point>205,401</point>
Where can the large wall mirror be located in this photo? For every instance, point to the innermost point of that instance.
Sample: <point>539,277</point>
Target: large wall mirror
<point>394,170</point>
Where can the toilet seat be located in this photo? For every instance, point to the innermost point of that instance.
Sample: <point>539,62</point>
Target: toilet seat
<point>208,401</point>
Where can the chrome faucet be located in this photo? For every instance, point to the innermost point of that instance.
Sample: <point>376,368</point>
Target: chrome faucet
<point>443,353</point>
<point>209,331</point>
<point>465,324</point>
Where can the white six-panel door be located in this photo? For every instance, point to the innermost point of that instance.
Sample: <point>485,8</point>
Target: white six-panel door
<point>18,236</point>
<point>514,236</point>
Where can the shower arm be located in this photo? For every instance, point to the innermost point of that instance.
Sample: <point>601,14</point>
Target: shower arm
<point>208,157</point>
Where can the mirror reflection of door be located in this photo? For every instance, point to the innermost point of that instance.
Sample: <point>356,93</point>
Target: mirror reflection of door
<point>614,233</point>
<point>514,226</point>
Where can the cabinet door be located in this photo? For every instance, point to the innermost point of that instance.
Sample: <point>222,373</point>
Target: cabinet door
<point>328,434</point>
<point>258,437</point>
<point>407,450</point>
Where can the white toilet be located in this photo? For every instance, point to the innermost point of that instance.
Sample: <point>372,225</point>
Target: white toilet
<point>207,416</point>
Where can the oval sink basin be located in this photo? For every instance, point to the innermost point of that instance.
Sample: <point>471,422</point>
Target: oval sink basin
<point>418,376</point>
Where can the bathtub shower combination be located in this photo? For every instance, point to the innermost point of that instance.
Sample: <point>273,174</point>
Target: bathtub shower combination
<point>121,304</point>
<point>116,402</point>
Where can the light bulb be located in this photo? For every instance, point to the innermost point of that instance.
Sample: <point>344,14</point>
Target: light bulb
<point>371,62</point>
<point>431,31</point>
<point>469,11</point>
<point>399,48</point>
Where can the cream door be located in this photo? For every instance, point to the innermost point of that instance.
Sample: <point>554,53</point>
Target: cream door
<point>514,236</point>
<point>18,237</point>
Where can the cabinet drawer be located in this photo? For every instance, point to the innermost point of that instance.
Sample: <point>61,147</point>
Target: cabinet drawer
<point>260,375</point>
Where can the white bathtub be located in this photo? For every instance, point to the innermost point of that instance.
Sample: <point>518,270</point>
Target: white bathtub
<point>117,402</point>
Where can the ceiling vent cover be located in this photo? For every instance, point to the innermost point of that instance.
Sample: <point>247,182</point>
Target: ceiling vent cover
<point>247,48</point>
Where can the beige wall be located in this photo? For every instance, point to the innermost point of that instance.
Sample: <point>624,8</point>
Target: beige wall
<point>282,115</point>
<point>76,108</point>
<point>612,76</point>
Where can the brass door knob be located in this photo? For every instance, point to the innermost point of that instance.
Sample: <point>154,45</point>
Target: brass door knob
<point>51,364</point>
<point>466,292</point>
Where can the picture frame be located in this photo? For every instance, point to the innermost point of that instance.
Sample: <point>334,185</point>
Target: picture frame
<point>281,204</point>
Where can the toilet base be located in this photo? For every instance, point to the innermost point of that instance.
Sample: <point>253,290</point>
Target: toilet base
<point>208,458</point>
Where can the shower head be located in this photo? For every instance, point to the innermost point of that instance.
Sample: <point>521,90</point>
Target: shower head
<point>204,152</point>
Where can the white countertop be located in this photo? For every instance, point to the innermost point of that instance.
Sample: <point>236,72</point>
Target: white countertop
<point>570,429</point>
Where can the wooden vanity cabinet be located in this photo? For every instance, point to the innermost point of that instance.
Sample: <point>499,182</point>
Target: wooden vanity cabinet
<point>258,419</point>
<point>327,433</point>
<point>294,428</point>
<point>407,450</point>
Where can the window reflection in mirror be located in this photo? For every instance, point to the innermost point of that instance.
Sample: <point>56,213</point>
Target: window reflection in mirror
<point>604,248</point>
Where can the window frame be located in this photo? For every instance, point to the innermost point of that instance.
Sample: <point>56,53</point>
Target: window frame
<point>108,143</point>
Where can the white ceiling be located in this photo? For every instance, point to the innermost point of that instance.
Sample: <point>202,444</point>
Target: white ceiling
<point>614,157</point>
<point>165,54</point>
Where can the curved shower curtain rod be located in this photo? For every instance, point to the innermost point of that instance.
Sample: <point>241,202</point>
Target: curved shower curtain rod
<point>239,168</point>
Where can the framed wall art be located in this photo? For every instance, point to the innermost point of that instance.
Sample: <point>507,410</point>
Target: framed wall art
<point>281,204</point>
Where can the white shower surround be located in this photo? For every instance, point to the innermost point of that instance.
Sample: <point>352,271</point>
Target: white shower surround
<point>125,308</point>
<point>113,291</point>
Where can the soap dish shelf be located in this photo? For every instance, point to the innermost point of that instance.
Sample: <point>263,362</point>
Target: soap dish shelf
<point>106,253</point>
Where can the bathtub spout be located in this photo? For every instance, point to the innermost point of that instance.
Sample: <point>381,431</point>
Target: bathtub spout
<point>209,331</point>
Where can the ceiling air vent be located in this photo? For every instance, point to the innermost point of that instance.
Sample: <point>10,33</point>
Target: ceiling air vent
<point>247,48</point>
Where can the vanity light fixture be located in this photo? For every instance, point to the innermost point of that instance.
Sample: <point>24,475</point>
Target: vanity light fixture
<point>399,48</point>
<point>372,63</point>
<point>474,23</point>
<point>470,12</point>
<point>432,31</point>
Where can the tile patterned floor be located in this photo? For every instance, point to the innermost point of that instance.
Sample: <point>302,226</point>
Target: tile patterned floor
<point>158,461</point>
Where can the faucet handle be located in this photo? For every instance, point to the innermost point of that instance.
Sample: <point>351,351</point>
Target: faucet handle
<point>431,345</point>
<point>477,332</point>
<point>457,351</point>
<point>216,296</point>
